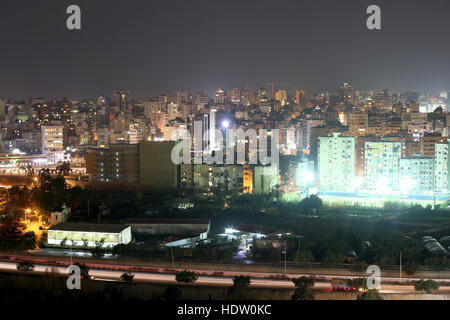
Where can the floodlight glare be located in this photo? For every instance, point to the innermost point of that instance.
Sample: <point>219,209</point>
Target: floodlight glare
<point>230,231</point>
<point>308,176</point>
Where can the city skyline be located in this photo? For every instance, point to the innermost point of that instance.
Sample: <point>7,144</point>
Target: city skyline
<point>257,150</point>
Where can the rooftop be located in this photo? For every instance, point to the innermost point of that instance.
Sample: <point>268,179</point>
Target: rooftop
<point>89,227</point>
<point>165,221</point>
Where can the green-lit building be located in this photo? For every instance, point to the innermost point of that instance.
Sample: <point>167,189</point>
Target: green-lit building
<point>416,175</point>
<point>382,161</point>
<point>265,178</point>
<point>336,163</point>
<point>203,178</point>
<point>441,165</point>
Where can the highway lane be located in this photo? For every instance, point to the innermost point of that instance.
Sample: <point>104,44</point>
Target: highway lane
<point>222,281</point>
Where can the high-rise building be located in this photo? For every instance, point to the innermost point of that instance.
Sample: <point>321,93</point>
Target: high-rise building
<point>182,97</point>
<point>346,94</point>
<point>265,178</point>
<point>137,131</point>
<point>146,165</point>
<point>336,163</point>
<point>358,123</point>
<point>172,111</point>
<point>156,168</point>
<point>246,96</point>
<point>52,138</point>
<point>300,100</point>
<point>383,101</point>
<point>428,142</point>
<point>219,96</point>
<point>103,137</point>
<point>281,96</point>
<point>382,165</point>
<point>441,165</point>
<point>234,96</point>
<point>2,108</point>
<point>118,164</point>
<point>263,95</point>
<point>416,175</point>
<point>121,99</point>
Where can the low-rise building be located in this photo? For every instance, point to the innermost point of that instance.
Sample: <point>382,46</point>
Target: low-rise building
<point>89,234</point>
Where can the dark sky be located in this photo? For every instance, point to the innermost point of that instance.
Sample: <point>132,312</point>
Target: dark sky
<point>151,46</point>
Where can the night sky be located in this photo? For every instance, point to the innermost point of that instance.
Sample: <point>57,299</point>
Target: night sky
<point>154,46</point>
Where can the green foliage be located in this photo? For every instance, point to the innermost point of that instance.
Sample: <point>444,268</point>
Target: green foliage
<point>311,204</point>
<point>411,267</point>
<point>303,282</point>
<point>241,281</point>
<point>438,263</point>
<point>303,293</point>
<point>359,266</point>
<point>84,270</point>
<point>372,294</point>
<point>43,240</point>
<point>127,277</point>
<point>303,288</point>
<point>303,256</point>
<point>25,266</point>
<point>63,169</point>
<point>186,276</point>
<point>63,243</point>
<point>332,259</point>
<point>99,250</point>
<point>427,286</point>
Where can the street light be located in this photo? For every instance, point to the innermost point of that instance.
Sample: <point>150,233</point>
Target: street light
<point>285,253</point>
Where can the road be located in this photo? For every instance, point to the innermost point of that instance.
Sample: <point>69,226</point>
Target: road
<point>226,280</point>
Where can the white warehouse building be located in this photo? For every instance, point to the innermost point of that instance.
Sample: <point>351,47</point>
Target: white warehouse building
<point>89,234</point>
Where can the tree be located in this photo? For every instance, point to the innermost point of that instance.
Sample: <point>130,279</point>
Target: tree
<point>303,288</point>
<point>240,289</point>
<point>303,256</point>
<point>25,266</point>
<point>411,267</point>
<point>311,204</point>
<point>332,259</point>
<point>359,266</point>
<point>84,270</point>
<point>241,281</point>
<point>63,169</point>
<point>98,249</point>
<point>372,294</point>
<point>186,276</point>
<point>427,286</point>
<point>127,277</point>
<point>63,243</point>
